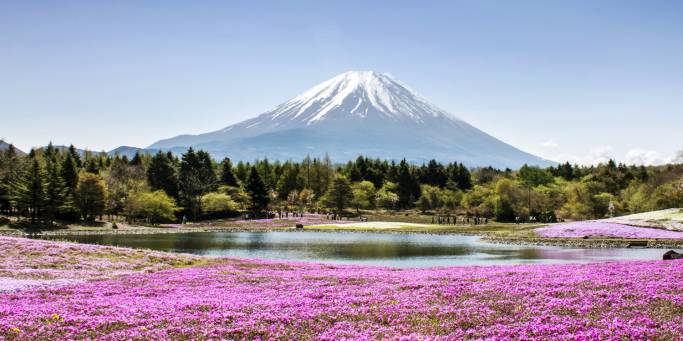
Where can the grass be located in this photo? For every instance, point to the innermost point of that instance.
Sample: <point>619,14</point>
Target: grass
<point>493,229</point>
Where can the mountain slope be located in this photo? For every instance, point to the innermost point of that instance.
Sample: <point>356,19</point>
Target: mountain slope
<point>4,146</point>
<point>358,112</point>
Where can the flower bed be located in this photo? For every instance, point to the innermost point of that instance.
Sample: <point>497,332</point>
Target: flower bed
<point>28,263</point>
<point>259,299</point>
<point>604,229</point>
<point>250,299</point>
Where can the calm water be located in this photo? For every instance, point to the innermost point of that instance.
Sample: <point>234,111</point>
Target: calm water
<point>397,250</point>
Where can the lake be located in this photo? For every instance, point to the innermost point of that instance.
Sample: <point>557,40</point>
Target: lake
<point>385,249</point>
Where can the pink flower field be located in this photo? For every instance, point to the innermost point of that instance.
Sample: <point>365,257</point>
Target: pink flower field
<point>36,263</point>
<point>604,229</point>
<point>250,299</point>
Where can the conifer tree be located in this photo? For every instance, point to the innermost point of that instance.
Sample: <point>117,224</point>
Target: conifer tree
<point>10,172</point>
<point>339,195</point>
<point>74,154</point>
<point>408,188</point>
<point>29,192</point>
<point>161,174</point>
<point>69,172</point>
<point>227,176</point>
<point>54,187</point>
<point>137,160</point>
<point>257,192</point>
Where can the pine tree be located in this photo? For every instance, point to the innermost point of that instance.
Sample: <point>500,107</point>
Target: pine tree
<point>30,190</point>
<point>227,176</point>
<point>161,174</point>
<point>408,187</point>
<point>10,172</point>
<point>189,182</point>
<point>462,177</point>
<point>339,195</point>
<point>207,175</point>
<point>257,192</point>
<point>91,166</point>
<point>137,160</point>
<point>74,154</point>
<point>54,187</point>
<point>69,174</point>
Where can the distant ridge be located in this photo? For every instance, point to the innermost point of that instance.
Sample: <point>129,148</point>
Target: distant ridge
<point>4,146</point>
<point>131,151</point>
<point>357,113</point>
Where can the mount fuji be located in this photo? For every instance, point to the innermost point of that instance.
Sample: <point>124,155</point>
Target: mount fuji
<point>356,113</point>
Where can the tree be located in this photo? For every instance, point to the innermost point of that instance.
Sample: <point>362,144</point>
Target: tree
<point>423,203</point>
<point>91,195</point>
<point>257,192</point>
<point>11,167</point>
<point>386,197</point>
<point>339,194</point>
<point>161,174</point>
<point>430,198</point>
<point>408,188</point>
<point>434,174</point>
<point>154,207</point>
<point>69,172</point>
<point>196,178</point>
<point>218,204</point>
<point>289,180</point>
<point>122,180</point>
<point>306,197</point>
<point>363,195</point>
<point>55,191</point>
<point>75,156</point>
<point>227,175</point>
<point>532,176</point>
<point>29,192</point>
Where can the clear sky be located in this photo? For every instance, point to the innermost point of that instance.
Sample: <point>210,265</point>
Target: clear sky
<point>576,80</point>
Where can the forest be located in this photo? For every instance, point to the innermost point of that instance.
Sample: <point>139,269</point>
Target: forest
<point>61,184</point>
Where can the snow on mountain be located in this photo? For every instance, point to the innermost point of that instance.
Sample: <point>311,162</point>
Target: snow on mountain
<point>357,112</point>
<point>359,94</point>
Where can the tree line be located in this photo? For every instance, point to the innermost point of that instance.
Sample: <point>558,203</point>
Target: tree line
<point>60,184</point>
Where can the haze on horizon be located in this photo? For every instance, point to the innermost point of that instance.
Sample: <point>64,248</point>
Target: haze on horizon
<point>569,80</point>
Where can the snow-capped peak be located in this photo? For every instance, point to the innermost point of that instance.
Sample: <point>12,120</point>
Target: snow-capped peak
<point>357,93</point>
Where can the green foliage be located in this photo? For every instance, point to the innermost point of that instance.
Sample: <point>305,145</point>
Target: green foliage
<point>51,184</point>
<point>339,195</point>
<point>363,195</point>
<point>533,176</point>
<point>386,196</point>
<point>257,191</point>
<point>408,187</point>
<point>196,177</point>
<point>29,192</point>
<point>55,190</point>
<point>11,167</point>
<point>154,207</point>
<point>161,174</point>
<point>91,195</point>
<point>218,204</point>
<point>227,177</point>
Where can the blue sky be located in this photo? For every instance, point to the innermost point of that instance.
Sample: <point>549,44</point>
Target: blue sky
<point>576,80</point>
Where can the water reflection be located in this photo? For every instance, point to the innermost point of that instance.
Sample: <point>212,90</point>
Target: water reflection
<point>399,250</point>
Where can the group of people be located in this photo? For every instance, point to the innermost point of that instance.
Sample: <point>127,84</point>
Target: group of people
<point>285,214</point>
<point>454,220</point>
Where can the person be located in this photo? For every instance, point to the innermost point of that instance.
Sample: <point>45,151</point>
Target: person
<point>184,219</point>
